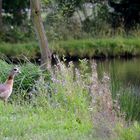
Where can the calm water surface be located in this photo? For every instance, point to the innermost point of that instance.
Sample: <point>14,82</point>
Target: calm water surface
<point>126,72</point>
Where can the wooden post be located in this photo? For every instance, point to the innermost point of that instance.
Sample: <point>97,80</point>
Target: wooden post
<point>39,28</point>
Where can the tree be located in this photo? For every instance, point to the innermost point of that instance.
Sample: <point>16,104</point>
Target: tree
<point>127,11</point>
<point>18,10</point>
<point>37,21</point>
<point>0,13</point>
<point>68,7</point>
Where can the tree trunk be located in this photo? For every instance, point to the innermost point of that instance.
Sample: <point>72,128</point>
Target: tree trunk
<point>43,42</point>
<point>0,14</point>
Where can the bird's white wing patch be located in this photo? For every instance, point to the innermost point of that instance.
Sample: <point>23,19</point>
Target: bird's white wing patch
<point>5,91</point>
<point>5,94</point>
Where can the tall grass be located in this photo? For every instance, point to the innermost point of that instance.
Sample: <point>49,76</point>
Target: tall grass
<point>128,100</point>
<point>100,47</point>
<point>57,108</point>
<point>103,47</point>
<point>19,51</point>
<point>65,103</point>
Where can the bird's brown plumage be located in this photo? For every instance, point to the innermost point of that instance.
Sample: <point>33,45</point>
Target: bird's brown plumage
<point>7,87</point>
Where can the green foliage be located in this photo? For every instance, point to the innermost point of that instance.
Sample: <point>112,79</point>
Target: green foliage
<point>98,21</point>
<point>55,110</point>
<point>16,24</point>
<point>128,101</point>
<point>67,8</point>
<point>105,47</point>
<point>59,108</point>
<point>27,122</point>
<point>69,19</point>
<point>19,51</point>
<point>15,34</point>
<point>18,14</point>
<point>59,27</point>
<point>129,133</point>
<point>72,19</point>
<point>25,80</point>
<point>126,12</point>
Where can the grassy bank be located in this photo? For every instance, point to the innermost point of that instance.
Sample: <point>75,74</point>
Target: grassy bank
<point>21,51</point>
<point>104,47</point>
<point>67,103</point>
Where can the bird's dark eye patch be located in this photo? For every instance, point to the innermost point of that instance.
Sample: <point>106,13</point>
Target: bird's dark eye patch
<point>15,69</point>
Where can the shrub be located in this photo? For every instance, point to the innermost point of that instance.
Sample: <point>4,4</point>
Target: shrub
<point>24,81</point>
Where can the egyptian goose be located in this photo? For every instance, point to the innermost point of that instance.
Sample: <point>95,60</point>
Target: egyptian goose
<point>7,87</point>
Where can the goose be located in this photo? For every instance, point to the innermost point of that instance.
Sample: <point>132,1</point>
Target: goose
<point>7,87</point>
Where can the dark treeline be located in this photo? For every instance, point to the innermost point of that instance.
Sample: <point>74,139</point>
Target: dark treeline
<point>65,19</point>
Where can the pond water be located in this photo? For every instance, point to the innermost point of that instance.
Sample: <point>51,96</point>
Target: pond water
<point>126,72</point>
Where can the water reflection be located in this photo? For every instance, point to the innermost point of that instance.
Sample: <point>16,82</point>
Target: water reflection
<point>126,72</point>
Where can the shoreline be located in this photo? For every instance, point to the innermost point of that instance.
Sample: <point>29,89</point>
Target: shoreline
<point>103,48</point>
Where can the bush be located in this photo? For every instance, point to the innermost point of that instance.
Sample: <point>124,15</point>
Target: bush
<point>24,81</point>
<point>19,51</point>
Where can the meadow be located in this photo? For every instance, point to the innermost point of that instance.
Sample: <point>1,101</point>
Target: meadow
<point>64,103</point>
